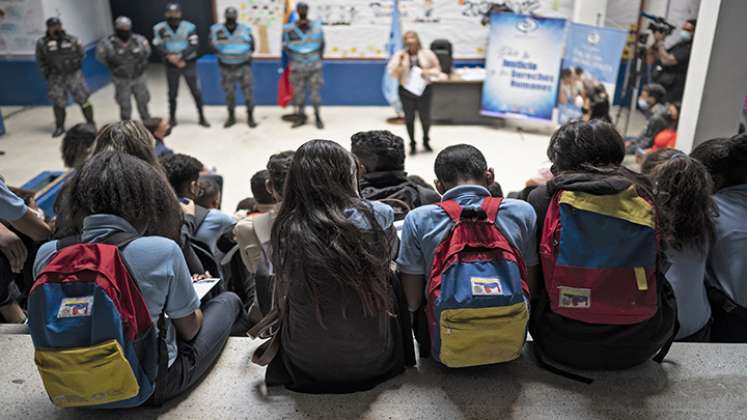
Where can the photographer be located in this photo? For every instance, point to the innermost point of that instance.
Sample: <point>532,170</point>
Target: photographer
<point>670,64</point>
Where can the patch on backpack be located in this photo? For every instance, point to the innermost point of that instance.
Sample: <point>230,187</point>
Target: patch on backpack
<point>572,297</point>
<point>75,307</point>
<point>482,286</point>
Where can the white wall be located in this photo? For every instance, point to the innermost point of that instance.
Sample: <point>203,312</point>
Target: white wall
<point>21,24</point>
<point>89,20</point>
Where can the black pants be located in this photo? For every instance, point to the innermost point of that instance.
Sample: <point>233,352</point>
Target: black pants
<point>190,76</point>
<point>422,104</point>
<point>196,356</point>
<point>727,327</point>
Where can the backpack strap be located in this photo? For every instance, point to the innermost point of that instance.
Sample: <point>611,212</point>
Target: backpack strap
<point>201,214</point>
<point>492,205</point>
<point>68,241</point>
<point>668,345</point>
<point>119,239</point>
<point>452,208</point>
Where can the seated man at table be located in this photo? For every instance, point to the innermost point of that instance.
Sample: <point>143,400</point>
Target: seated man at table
<point>382,155</point>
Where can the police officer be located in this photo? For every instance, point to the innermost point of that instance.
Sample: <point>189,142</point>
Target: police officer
<point>303,41</point>
<point>177,40</point>
<point>60,56</point>
<point>234,44</point>
<point>126,54</point>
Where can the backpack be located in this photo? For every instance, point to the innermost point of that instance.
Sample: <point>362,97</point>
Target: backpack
<point>477,293</point>
<point>95,344</point>
<point>402,197</point>
<point>606,303</point>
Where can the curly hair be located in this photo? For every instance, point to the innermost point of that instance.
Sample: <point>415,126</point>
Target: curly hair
<point>181,170</point>
<point>130,137</point>
<point>278,167</point>
<point>77,143</point>
<point>586,146</point>
<point>116,183</point>
<point>379,150</point>
<point>685,207</point>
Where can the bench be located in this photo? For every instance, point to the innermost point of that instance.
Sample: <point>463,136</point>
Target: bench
<point>698,381</point>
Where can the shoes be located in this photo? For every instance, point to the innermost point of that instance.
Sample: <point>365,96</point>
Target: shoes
<point>58,132</point>
<point>300,120</point>
<point>413,148</point>
<point>319,124</point>
<point>203,122</point>
<point>229,122</point>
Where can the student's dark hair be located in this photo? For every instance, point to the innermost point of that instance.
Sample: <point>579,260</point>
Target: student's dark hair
<point>313,240</point>
<point>77,143</point>
<point>130,137</point>
<point>249,204</point>
<point>495,190</point>
<point>653,160</point>
<point>693,22</point>
<point>181,170</point>
<point>685,207</point>
<point>657,92</point>
<point>152,124</point>
<point>379,150</point>
<point>116,183</point>
<point>278,167</point>
<point>593,146</point>
<point>725,159</point>
<point>207,191</point>
<point>460,162</point>
<point>258,185</point>
<point>599,103</point>
<point>565,73</point>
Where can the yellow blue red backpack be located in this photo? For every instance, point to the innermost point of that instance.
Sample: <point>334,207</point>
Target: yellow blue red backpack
<point>477,292</point>
<point>95,344</point>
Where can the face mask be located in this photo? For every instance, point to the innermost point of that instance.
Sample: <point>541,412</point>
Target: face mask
<point>231,22</point>
<point>56,34</point>
<point>686,35</point>
<point>124,35</point>
<point>643,104</point>
<point>173,21</point>
<point>579,101</point>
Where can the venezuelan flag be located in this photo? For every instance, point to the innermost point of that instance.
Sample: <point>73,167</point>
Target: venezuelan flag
<point>285,90</point>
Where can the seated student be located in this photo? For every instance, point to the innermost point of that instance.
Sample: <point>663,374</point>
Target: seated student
<point>77,144</point>
<point>208,194</point>
<point>262,191</point>
<point>666,138</point>
<point>602,246</point>
<point>726,161</point>
<point>686,212</point>
<point>160,129</point>
<point>339,328</point>
<point>20,220</point>
<point>653,104</point>
<point>114,192</point>
<point>382,155</point>
<point>253,233</point>
<point>244,208</point>
<point>183,172</point>
<point>596,104</point>
<point>462,175</point>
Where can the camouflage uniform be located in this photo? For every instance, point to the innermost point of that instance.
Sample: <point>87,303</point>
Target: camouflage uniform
<point>303,74</point>
<point>241,74</point>
<point>127,62</point>
<point>305,50</point>
<point>60,60</point>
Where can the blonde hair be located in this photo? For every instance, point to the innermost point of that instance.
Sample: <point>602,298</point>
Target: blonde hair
<point>412,33</point>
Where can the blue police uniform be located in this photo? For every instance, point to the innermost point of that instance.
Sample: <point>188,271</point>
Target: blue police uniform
<point>234,51</point>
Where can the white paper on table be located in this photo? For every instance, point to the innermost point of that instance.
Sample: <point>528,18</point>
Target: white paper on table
<point>415,83</point>
<point>202,287</point>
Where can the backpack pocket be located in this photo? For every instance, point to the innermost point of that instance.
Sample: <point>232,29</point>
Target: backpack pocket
<point>480,336</point>
<point>86,376</point>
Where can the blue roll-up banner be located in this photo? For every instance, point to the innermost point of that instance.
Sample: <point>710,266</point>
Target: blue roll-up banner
<point>522,65</point>
<point>596,52</point>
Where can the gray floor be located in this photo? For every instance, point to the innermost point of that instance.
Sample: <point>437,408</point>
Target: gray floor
<point>239,152</point>
<point>697,381</point>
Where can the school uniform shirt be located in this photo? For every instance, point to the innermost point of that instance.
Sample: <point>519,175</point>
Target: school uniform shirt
<point>156,264</point>
<point>727,259</point>
<point>12,207</point>
<point>216,223</point>
<point>426,227</point>
<point>687,277</point>
<point>251,246</point>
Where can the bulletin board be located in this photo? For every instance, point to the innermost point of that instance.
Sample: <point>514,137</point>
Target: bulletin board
<point>266,19</point>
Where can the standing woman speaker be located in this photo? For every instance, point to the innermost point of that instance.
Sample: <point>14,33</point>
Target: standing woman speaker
<point>415,67</point>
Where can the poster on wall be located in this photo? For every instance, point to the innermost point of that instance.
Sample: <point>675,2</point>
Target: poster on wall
<point>17,33</point>
<point>522,64</point>
<point>592,55</point>
<point>266,19</point>
<point>353,28</point>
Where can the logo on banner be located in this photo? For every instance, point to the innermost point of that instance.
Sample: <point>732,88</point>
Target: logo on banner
<point>527,25</point>
<point>593,38</point>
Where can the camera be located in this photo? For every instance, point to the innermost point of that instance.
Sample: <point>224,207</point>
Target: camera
<point>660,25</point>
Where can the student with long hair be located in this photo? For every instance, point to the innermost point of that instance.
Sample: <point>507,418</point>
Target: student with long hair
<point>114,192</point>
<point>331,252</point>
<point>726,161</point>
<point>686,211</point>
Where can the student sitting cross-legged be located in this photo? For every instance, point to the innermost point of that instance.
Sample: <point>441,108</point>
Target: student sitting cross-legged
<point>115,196</point>
<point>726,160</point>
<point>334,294</point>
<point>603,303</point>
<point>474,256</point>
